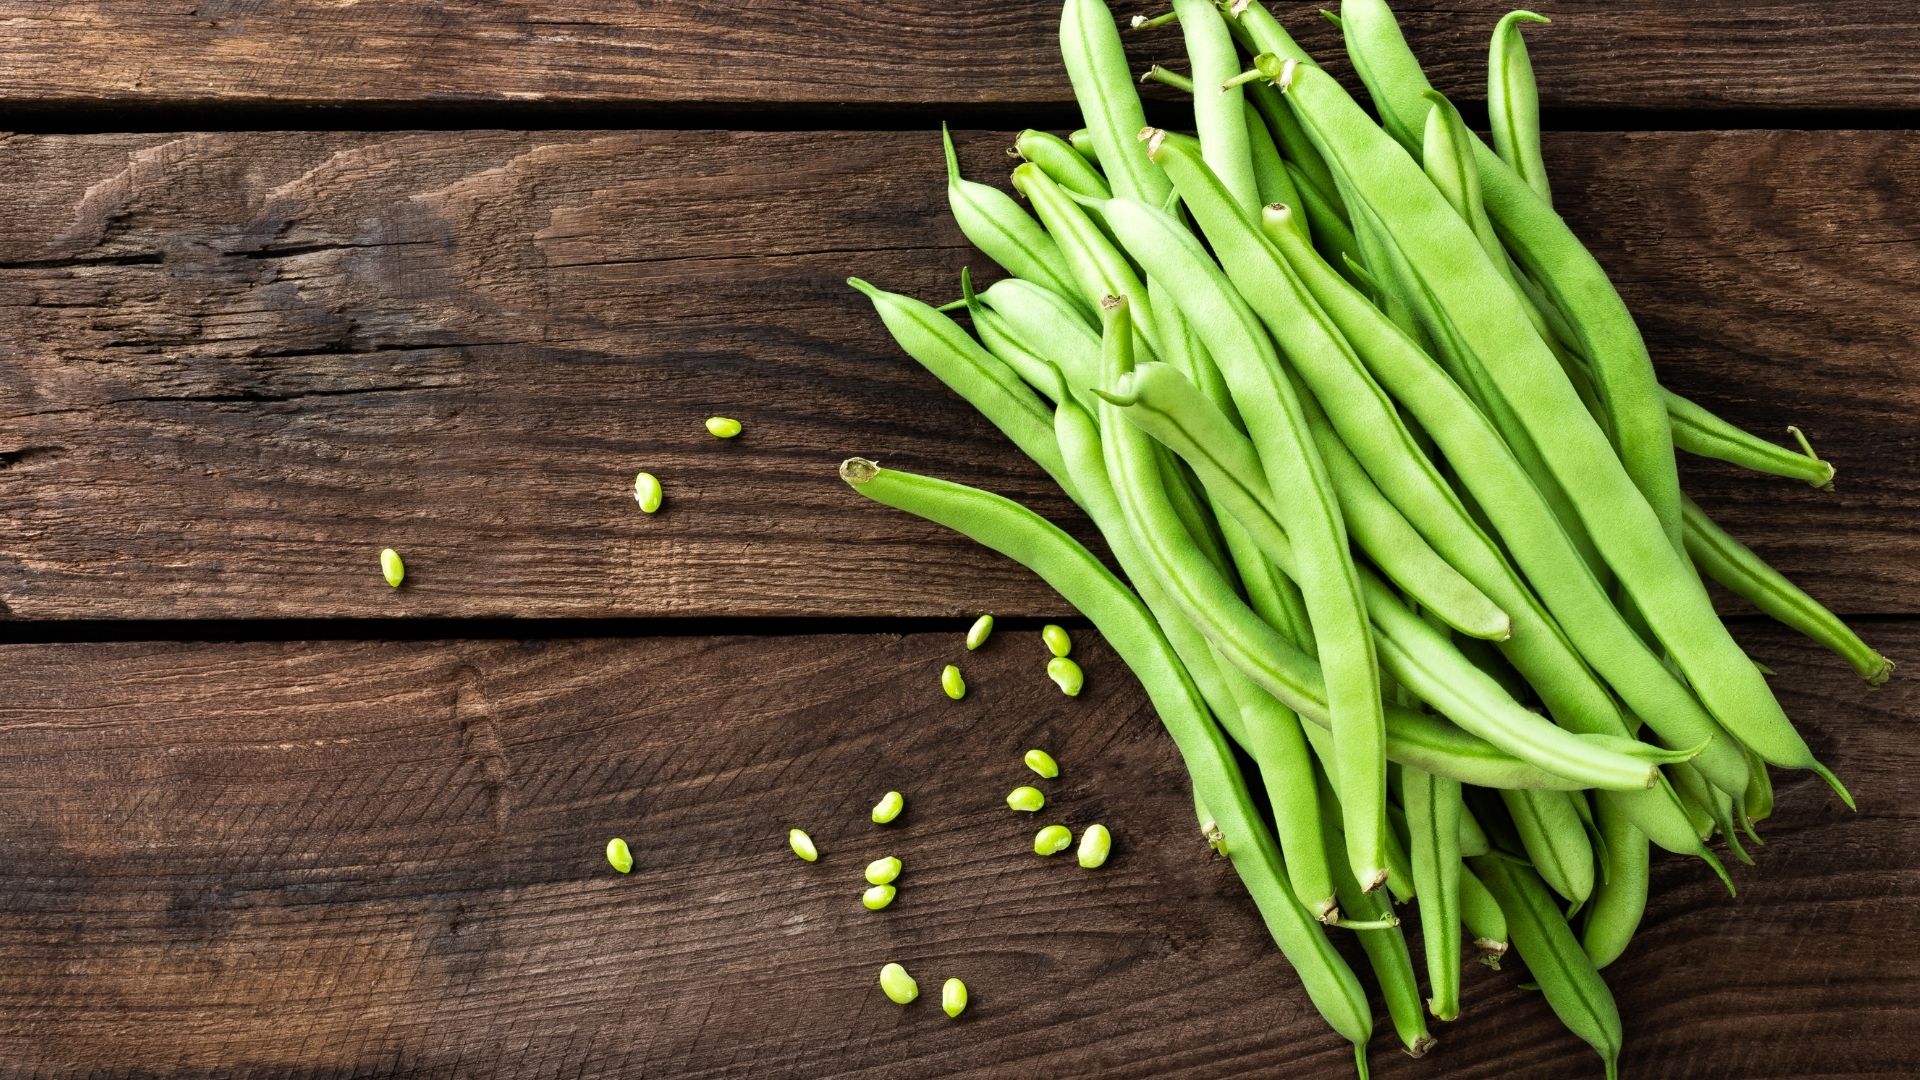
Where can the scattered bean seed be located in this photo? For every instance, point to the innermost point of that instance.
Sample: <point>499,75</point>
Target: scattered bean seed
<point>977,633</point>
<point>898,985</point>
<point>619,855</point>
<point>1066,675</point>
<point>888,807</point>
<point>877,897</point>
<point>953,682</point>
<point>722,427</point>
<point>883,871</point>
<point>1026,798</point>
<point>392,568</point>
<point>802,844</point>
<point>953,997</point>
<point>1058,643</point>
<point>646,490</point>
<point>1042,762</point>
<point>1096,843</point>
<point>1052,840</point>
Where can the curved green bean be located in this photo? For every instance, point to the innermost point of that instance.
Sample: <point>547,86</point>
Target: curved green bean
<point>994,223</point>
<point>1734,565</point>
<point>1098,269</point>
<point>1513,102</point>
<point>1387,955</point>
<point>1620,899</point>
<point>1001,340</point>
<point>1555,840</point>
<point>1058,159</point>
<point>1129,629</point>
<point>1567,978</point>
<point>1096,62</point>
<point>1433,828</point>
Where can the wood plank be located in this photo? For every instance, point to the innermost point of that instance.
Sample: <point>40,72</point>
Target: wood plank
<point>1631,54</point>
<point>237,365</point>
<point>363,858</point>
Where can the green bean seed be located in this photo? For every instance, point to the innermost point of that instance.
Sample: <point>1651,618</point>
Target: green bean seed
<point>1052,840</point>
<point>883,871</point>
<point>392,568</point>
<point>953,997</point>
<point>619,855</point>
<point>722,427</point>
<point>1095,844</point>
<point>1025,798</point>
<point>646,491</point>
<point>1066,675</point>
<point>1058,643</point>
<point>977,633</point>
<point>1042,762</point>
<point>953,682</point>
<point>877,897</point>
<point>898,985</point>
<point>802,844</point>
<point>888,807</point>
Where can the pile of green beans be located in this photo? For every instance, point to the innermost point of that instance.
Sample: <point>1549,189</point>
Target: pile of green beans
<point>1399,552</point>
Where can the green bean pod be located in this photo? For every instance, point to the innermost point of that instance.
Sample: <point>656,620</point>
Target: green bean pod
<point>1277,424</point>
<point>1555,840</point>
<point>1433,827</point>
<point>975,374</point>
<point>1513,102</point>
<point>1620,899</point>
<point>1098,268</point>
<point>1331,234</point>
<point>1734,565</point>
<point>1096,63</point>
<point>1082,142</point>
<point>1473,839</point>
<point>1272,180</point>
<point>1483,919</point>
<point>1543,244</point>
<point>1000,340</point>
<point>1219,110</point>
<point>1044,323</point>
<point>994,223</point>
<point>1566,977</point>
<point>1058,159</point>
<point>1702,434</point>
<point>1631,537</point>
<point>1129,629</point>
<point>1387,955</point>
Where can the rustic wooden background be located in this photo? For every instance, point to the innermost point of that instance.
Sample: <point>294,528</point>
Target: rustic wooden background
<point>287,282</point>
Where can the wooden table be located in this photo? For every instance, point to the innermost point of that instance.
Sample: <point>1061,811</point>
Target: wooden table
<point>287,282</point>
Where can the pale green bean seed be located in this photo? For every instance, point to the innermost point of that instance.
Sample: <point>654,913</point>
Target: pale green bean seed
<point>1042,762</point>
<point>953,682</point>
<point>802,844</point>
<point>619,855</point>
<point>1025,798</point>
<point>888,807</point>
<point>1058,643</point>
<point>646,491</point>
<point>877,897</point>
<point>977,633</point>
<point>883,871</point>
<point>722,427</point>
<point>1052,840</point>
<point>898,985</point>
<point>1066,675</point>
<point>392,568</point>
<point>953,997</point>
<point>1095,845</point>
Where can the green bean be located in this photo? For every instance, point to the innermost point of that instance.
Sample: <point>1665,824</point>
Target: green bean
<point>1162,403</point>
<point>1331,234</point>
<point>993,222</point>
<point>1473,839</point>
<point>954,683</point>
<point>1058,159</point>
<point>391,568</point>
<point>1457,275</point>
<point>975,374</point>
<point>1098,269</point>
<point>1734,565</point>
<point>1082,142</point>
<point>619,856</point>
<point>1271,180</point>
<point>1702,434</point>
<point>1007,345</point>
<point>1482,917</point>
<point>1386,950</point>
<point>1555,841</point>
<point>1433,826</point>
<point>1044,325</point>
<point>1130,631</point>
<point>1543,244</point>
<point>1095,844</point>
<point>1513,102</point>
<point>1219,110</point>
<point>1096,64</point>
<point>1568,980</point>
<point>1620,899</point>
<point>1487,468</point>
<point>1328,581</point>
<point>646,492</point>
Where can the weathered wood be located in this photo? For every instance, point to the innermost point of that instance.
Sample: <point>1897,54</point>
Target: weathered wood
<point>679,53</point>
<point>368,858</point>
<point>237,365</point>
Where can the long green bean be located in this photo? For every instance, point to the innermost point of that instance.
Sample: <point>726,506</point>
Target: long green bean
<point>1433,827</point>
<point>1513,102</point>
<point>1620,899</point>
<point>1567,978</point>
<point>994,223</point>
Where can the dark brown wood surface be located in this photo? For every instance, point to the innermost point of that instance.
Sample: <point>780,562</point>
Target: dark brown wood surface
<point>681,54</point>
<point>384,859</point>
<point>240,364</point>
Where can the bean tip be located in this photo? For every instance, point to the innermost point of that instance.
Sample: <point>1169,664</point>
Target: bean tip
<point>858,470</point>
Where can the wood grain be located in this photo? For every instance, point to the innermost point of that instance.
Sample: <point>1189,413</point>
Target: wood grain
<point>384,858</point>
<point>237,365</point>
<point>1627,54</point>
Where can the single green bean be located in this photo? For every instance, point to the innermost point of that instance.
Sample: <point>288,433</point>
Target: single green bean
<point>1043,323</point>
<point>1270,176</point>
<point>1702,434</point>
<point>1130,631</point>
<point>1001,340</point>
<point>1482,917</point>
<point>1096,62</point>
<point>994,223</point>
<point>1620,899</point>
<point>1219,110</point>
<point>1568,980</point>
<point>1734,565</point>
<point>1058,159</point>
<point>1386,950</point>
<point>1513,102</point>
<point>1555,840</point>
<point>1613,505</point>
<point>1433,826</point>
<point>1098,268</point>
